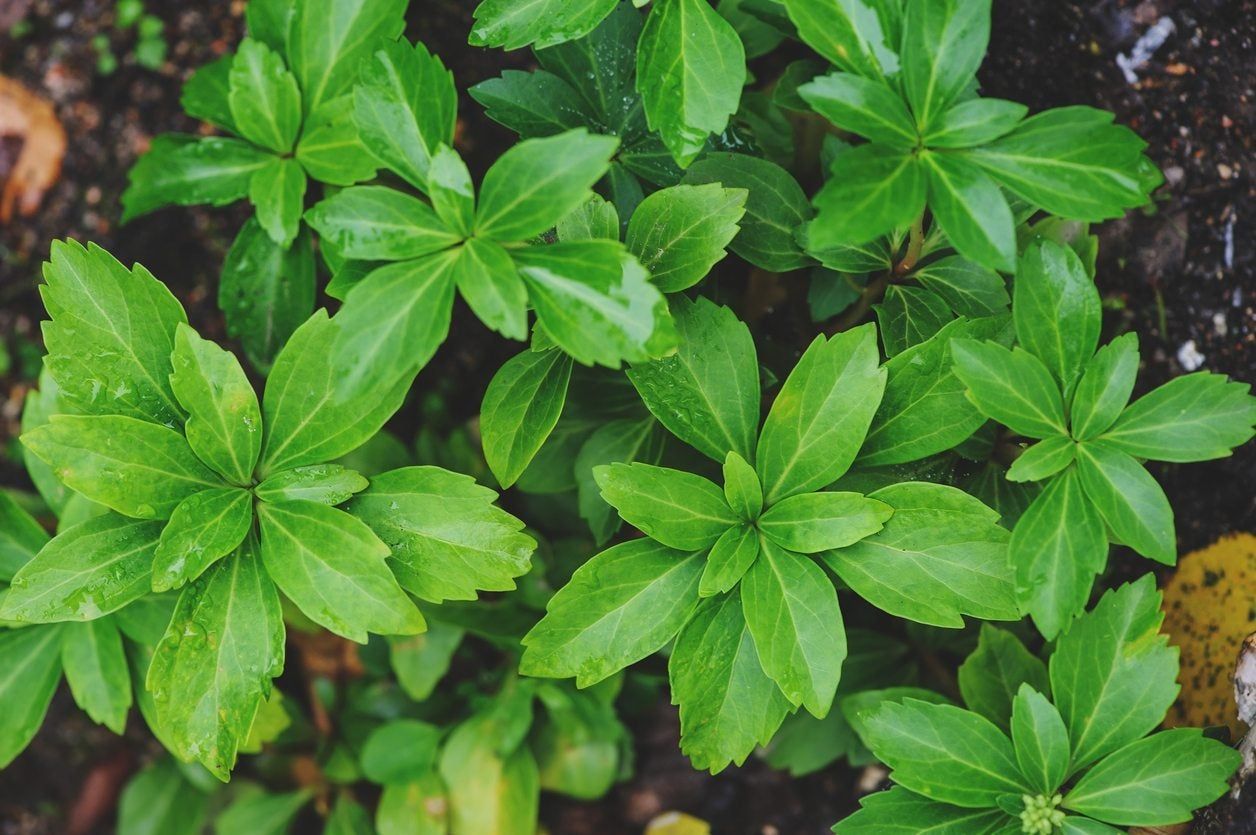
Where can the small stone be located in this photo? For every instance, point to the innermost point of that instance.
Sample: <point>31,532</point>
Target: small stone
<point>1174,174</point>
<point>1189,357</point>
<point>1225,171</point>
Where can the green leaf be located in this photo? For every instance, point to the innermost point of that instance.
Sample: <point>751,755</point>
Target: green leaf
<point>214,665</point>
<point>95,667</point>
<point>264,100</point>
<point>707,393</point>
<point>900,812</point>
<point>872,190</point>
<point>306,422</point>
<point>944,752</point>
<point>268,21</point>
<point>791,610</point>
<point>1072,162</point>
<point>1129,500</point>
<point>400,751</point>
<point>1112,675</point>
<point>729,559</point>
<point>489,790</point>
<point>691,66</point>
<point>449,186</point>
<point>990,678</point>
<point>405,107</point>
<point>111,335</point>
<point>681,510</point>
<point>30,669</point>
<point>329,484</point>
<point>331,149</point>
<point>38,406</point>
<point>908,316</point>
<point>180,170</point>
<point>1105,387</point>
<point>943,45</point>
<point>974,122</point>
<point>348,818</point>
<point>510,24</point>
<point>85,572</point>
<point>224,426</point>
<point>815,522</point>
<point>741,488</point>
<point>1040,740</point>
<point>1196,417</point>
<point>329,41</point>
<point>418,808</point>
<point>205,93</point>
<point>21,537</point>
<point>971,210</point>
<point>1057,548</point>
<point>596,302</point>
<point>620,606</point>
<point>1155,781</point>
<point>925,410</point>
<point>532,104</point>
<point>1043,460</point>
<point>261,812</point>
<point>205,527</point>
<point>137,468</point>
<point>849,33</point>
<point>524,193</point>
<point>277,191</point>
<point>447,538</point>
<point>863,106</point>
<point>491,286</point>
<point>521,407</point>
<point>160,800</point>
<point>969,288</point>
<point>626,441</point>
<point>421,661</point>
<point>821,415</point>
<point>311,549</point>
<point>679,233</point>
<point>601,67</point>
<point>1013,387</point>
<point>1057,310</point>
<point>728,705</point>
<point>596,219</point>
<point>380,223</point>
<point>941,555</point>
<point>266,291</point>
<point>775,208</point>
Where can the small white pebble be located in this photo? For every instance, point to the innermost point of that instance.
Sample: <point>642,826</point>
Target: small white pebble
<point>1228,257</point>
<point>1219,324</point>
<point>1189,357</point>
<point>1146,46</point>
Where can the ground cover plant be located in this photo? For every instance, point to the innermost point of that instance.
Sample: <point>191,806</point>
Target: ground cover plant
<point>765,531</point>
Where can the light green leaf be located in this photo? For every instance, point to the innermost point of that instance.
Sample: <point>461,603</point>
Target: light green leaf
<point>510,24</point>
<point>490,284</point>
<point>96,670</point>
<point>872,190</point>
<point>1057,310</point>
<point>813,522</point>
<point>943,45</point>
<point>596,219</point>
<point>39,405</point>
<point>269,21</point>
<point>620,606</point>
<point>1129,500</point>
<point>333,567</point>
<point>449,186</point>
<point>944,753</point>
<point>329,40</point>
<point>521,407</point>
<point>405,107</point>
<point>489,791</point>
<point>909,316</point>
<point>900,812</point>
<point>791,610</point>
<point>181,170</point>
<point>1040,740</point>
<point>1155,781</point>
<point>224,426</point>
<point>205,527</point>
<point>971,210</point>
<point>679,509</point>
<point>941,555</point>
<point>1105,387</point>
<point>1196,417</point>
<point>1057,548</point>
<point>261,812</point>
<point>447,538</point>
<point>400,751</point>
<point>1043,459</point>
<point>380,223</point>
<point>277,191</point>
<point>419,808</point>
<point>729,559</point>
<point>21,537</point>
<point>974,122</point>
<point>214,665</point>
<point>849,33</point>
<point>331,149</point>
<point>421,661</point>
<point>1112,675</point>
<point>707,393</point>
<point>329,484</point>
<point>741,488</point>
<point>111,335</point>
<point>264,100</point>
<point>30,669</point>
<point>348,817</point>
<point>691,66</point>
<point>994,673</point>
<point>863,106</point>
<point>821,415</point>
<point>728,705</point>
<point>679,233</point>
<point>524,193</point>
<point>137,468</point>
<point>1013,387</point>
<point>161,801</point>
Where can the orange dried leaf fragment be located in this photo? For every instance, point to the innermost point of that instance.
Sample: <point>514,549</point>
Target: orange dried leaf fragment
<point>31,119</point>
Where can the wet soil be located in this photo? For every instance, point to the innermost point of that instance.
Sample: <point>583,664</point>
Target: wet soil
<point>1183,276</point>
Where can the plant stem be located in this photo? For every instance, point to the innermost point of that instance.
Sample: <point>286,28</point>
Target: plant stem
<point>914,244</point>
<point>876,288</point>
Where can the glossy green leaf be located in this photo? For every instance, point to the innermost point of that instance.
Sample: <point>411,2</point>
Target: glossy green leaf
<point>331,149</point>
<point>741,488</point>
<point>96,670</point>
<point>620,606</point>
<point>21,537</point>
<point>1013,387</point>
<point>971,210</point>
<point>679,233</point>
<point>450,189</point>
<point>205,527</point>
<point>520,408</point>
<point>908,316</point>
<point>532,104</point>
<point>729,559</point>
<point>872,190</point>
<point>821,414</point>
<point>332,566</point>
<point>1057,310</point>
<point>447,538</point>
<point>329,484</point>
<point>39,405</point>
<point>813,522</point>
<point>943,45</point>
<point>849,33</point>
<point>863,106</point>
<point>181,170</point>
<point>380,223</point>
<point>490,284</point>
<point>1196,417</point>
<point>1105,387</point>
<point>974,122</point>
<point>993,674</point>
<point>510,24</point>
<point>1040,740</point>
<point>329,41</point>
<point>901,812</point>
<point>679,509</point>
<point>1129,500</point>
<point>30,669</point>
<point>691,66</point>
<point>1043,459</point>
<point>969,288</point>
<point>264,100</point>
<point>791,609</point>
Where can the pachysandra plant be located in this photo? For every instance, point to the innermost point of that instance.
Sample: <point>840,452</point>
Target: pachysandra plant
<point>233,501</point>
<point>1062,747</point>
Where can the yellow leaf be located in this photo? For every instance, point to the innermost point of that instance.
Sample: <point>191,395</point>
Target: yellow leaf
<point>677,823</point>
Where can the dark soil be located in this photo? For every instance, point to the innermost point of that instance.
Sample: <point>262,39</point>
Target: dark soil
<point>1181,275</point>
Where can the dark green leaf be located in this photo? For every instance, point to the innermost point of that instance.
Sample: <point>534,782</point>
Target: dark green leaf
<point>900,812</point>
<point>30,668</point>
<point>1043,459</point>
<point>909,316</point>
<point>380,223</point>
<point>521,407</point>
<point>510,24</point>
<point>1013,387</point>
<point>1040,740</point>
<point>969,288</point>
<point>277,191</point>
<point>21,537</point>
<point>205,94</point>
<point>1105,387</point>
<point>681,510</point>
<point>400,751</point>
<point>624,441</point>
<point>994,673</point>
<point>532,104</point>
<point>96,670</point>
<point>1057,310</point>
<point>330,149</point>
<point>184,170</point>
<point>813,522</point>
<point>974,122</point>
<point>1196,417</point>
<point>160,800</point>
<point>490,284</point>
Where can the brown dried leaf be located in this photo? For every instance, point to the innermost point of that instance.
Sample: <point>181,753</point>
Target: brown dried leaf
<point>32,120</point>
